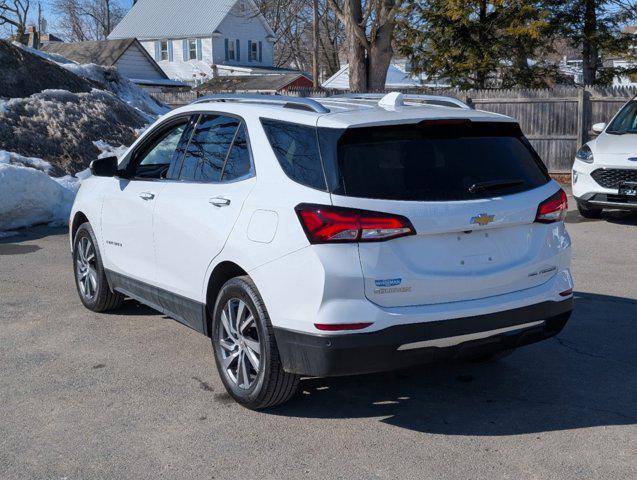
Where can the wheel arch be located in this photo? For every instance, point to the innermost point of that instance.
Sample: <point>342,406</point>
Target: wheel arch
<point>78,219</point>
<point>222,272</point>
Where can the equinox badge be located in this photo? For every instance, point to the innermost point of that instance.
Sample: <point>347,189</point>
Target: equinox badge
<point>483,219</point>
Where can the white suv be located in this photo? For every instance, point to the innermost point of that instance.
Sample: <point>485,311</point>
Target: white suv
<point>329,237</point>
<point>605,169</point>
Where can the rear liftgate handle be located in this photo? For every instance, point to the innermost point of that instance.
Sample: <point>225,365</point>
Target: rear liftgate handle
<point>219,202</point>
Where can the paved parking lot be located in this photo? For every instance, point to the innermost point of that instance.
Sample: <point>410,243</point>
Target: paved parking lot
<point>135,395</point>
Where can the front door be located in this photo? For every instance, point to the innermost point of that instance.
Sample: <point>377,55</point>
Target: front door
<point>195,214</point>
<point>129,204</point>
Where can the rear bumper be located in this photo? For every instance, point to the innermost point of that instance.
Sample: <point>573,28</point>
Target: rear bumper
<point>413,344</point>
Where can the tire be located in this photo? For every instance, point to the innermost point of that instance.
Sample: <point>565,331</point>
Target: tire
<point>490,357</point>
<point>90,279</point>
<point>246,353</point>
<point>586,211</point>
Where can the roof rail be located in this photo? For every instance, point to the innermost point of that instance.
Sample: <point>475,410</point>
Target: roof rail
<point>298,103</point>
<point>433,99</point>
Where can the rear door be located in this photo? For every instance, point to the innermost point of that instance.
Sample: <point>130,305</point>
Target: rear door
<point>197,212</point>
<point>471,192</point>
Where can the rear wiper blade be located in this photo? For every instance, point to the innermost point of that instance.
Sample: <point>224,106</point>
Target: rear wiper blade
<point>493,185</point>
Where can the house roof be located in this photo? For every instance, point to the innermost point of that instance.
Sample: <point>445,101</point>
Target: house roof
<point>105,52</point>
<point>101,53</point>
<point>631,29</point>
<point>397,78</point>
<point>262,83</point>
<point>155,19</point>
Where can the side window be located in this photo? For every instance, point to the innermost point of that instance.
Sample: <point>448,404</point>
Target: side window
<point>209,149</point>
<point>296,148</point>
<point>238,163</point>
<point>155,160</point>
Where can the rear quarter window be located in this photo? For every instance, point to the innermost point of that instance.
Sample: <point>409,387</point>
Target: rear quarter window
<point>296,148</point>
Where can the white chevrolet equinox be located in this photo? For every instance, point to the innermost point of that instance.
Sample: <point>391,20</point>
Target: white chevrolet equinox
<point>329,237</point>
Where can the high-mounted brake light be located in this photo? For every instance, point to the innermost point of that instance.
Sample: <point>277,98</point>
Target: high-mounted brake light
<point>327,224</point>
<point>553,209</point>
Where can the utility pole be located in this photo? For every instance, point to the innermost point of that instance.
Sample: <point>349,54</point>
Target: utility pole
<point>315,49</point>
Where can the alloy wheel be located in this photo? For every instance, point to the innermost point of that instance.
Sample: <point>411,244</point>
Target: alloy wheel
<point>86,268</point>
<point>238,338</point>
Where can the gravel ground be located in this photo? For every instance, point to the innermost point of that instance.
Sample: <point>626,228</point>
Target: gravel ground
<point>135,395</point>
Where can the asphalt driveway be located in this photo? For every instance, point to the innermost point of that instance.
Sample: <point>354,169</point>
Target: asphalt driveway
<point>135,395</point>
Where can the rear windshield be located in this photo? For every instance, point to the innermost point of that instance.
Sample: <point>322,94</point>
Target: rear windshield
<point>455,160</point>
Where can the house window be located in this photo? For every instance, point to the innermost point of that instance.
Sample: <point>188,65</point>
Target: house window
<point>192,49</point>
<point>231,50</point>
<point>163,50</point>
<point>254,51</point>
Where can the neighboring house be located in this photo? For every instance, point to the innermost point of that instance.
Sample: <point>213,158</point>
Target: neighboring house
<point>195,40</point>
<point>273,83</point>
<point>398,77</point>
<point>631,79</point>
<point>130,58</point>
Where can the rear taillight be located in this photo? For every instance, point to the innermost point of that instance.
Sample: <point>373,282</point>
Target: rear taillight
<point>326,224</point>
<point>553,209</point>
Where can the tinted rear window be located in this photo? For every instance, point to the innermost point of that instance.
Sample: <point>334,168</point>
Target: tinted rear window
<point>296,148</point>
<point>431,162</point>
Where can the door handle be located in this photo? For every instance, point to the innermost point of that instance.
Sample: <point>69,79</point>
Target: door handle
<point>219,202</point>
<point>147,196</point>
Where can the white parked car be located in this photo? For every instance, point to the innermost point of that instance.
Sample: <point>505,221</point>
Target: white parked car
<point>605,169</point>
<point>329,237</point>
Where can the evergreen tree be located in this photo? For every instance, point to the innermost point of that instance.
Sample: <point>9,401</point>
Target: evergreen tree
<point>479,43</point>
<point>595,28</point>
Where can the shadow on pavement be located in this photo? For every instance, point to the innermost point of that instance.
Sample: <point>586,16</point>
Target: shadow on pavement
<point>585,377</point>
<point>621,217</point>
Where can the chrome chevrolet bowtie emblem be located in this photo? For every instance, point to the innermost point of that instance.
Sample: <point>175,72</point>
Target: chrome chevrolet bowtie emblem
<point>483,219</point>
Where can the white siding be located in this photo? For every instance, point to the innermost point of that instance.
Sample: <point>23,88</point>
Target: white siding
<point>243,26</point>
<point>134,64</point>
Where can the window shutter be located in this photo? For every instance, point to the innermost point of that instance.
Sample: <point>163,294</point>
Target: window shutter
<point>157,53</point>
<point>238,51</point>
<point>186,50</point>
<point>249,50</point>
<point>226,44</point>
<point>260,52</point>
<point>170,50</point>
<point>199,53</point>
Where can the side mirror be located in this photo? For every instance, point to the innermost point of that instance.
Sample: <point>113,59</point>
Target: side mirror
<point>599,127</point>
<point>105,167</point>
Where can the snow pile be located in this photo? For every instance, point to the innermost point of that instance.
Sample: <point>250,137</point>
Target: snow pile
<point>29,196</point>
<point>122,87</point>
<point>60,127</point>
<point>109,150</point>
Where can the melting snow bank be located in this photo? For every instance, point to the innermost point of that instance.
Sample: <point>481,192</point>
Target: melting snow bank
<point>29,196</point>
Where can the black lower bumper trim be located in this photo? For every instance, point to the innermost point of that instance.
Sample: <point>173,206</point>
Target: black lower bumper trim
<point>336,355</point>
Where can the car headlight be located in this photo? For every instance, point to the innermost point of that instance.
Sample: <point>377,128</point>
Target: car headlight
<point>585,154</point>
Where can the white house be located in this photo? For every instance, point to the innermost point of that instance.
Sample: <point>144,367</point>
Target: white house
<point>130,58</point>
<point>399,77</point>
<point>195,40</point>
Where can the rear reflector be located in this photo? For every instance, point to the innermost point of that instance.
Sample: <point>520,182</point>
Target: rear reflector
<point>553,209</point>
<point>339,327</point>
<point>566,293</point>
<point>327,224</point>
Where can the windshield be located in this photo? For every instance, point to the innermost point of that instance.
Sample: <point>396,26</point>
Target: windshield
<point>431,162</point>
<point>625,121</point>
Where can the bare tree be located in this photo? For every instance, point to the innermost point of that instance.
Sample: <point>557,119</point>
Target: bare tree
<point>293,24</point>
<point>369,26</point>
<point>81,20</point>
<point>15,14</point>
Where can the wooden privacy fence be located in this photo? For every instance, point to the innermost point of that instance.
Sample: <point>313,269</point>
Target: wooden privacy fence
<point>557,121</point>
